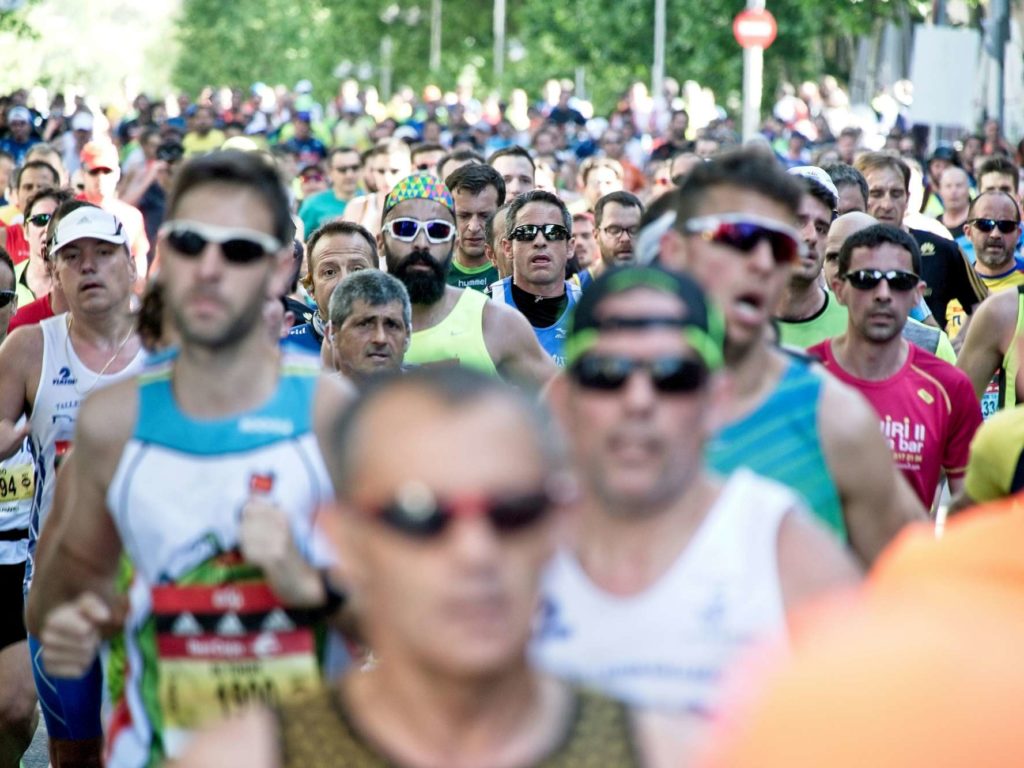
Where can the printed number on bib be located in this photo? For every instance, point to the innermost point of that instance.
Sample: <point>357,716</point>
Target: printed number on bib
<point>17,483</point>
<point>223,648</point>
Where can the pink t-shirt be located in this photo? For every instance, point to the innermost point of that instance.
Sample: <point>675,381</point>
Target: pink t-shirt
<point>928,411</point>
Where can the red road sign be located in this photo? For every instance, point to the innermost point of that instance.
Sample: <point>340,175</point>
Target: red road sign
<point>754,28</point>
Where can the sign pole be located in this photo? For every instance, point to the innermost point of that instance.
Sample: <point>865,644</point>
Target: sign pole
<point>755,30</point>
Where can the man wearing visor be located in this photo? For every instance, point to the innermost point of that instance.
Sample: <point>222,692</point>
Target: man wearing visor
<point>674,570</point>
<point>454,326</point>
<point>735,233</point>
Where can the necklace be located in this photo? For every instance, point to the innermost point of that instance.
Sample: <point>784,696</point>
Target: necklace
<point>103,370</point>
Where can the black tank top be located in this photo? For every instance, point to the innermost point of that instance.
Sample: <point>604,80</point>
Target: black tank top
<point>316,732</point>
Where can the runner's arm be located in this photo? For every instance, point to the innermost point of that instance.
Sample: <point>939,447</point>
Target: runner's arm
<point>877,501</point>
<point>82,553</point>
<point>250,740</point>
<point>981,354</point>
<point>20,354</point>
<point>514,348</point>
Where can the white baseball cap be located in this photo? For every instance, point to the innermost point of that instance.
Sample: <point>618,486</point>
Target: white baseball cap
<point>818,176</point>
<point>88,221</point>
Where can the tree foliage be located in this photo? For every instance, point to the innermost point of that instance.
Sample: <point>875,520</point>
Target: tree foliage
<point>245,41</point>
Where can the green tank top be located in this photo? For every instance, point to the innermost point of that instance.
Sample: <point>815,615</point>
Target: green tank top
<point>780,441</point>
<point>316,732</point>
<point>830,321</point>
<point>477,278</point>
<point>458,339</point>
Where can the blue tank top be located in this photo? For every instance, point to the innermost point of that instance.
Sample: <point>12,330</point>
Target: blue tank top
<point>780,440</point>
<point>551,338</point>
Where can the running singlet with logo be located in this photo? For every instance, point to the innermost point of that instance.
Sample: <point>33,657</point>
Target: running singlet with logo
<point>474,278</point>
<point>64,382</point>
<point>780,440</point>
<point>456,340</point>
<point>667,647</point>
<point>552,338</point>
<point>928,412</point>
<point>205,634</point>
<point>317,732</point>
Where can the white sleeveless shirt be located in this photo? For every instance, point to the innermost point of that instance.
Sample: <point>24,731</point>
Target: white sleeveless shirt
<point>667,647</point>
<point>64,382</point>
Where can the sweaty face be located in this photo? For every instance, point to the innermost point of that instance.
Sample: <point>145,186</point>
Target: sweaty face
<point>539,264</point>
<point>96,276</point>
<point>887,195</point>
<point>215,303</point>
<point>422,266</point>
<point>517,173</point>
<point>1004,182</point>
<point>460,604</point>
<point>617,234</point>
<point>814,219</point>
<point>335,257</point>
<point>372,339</point>
<point>636,448</point>
<point>471,214</point>
<point>993,250</point>
<point>879,314</point>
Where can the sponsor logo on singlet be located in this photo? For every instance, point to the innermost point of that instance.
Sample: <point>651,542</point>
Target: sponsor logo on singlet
<point>265,425</point>
<point>64,378</point>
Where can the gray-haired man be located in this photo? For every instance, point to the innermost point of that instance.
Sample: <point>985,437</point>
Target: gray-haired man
<point>371,324</point>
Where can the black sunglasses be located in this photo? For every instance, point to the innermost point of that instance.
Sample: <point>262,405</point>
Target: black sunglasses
<point>6,297</point>
<point>528,232</point>
<point>866,279</point>
<point>417,513</point>
<point>239,246</point>
<point>1006,226</point>
<point>669,375</point>
<point>40,219</point>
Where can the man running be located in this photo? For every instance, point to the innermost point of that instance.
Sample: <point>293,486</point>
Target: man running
<point>478,191</point>
<point>443,549</point>
<point>734,231</point>
<point>46,371</point>
<point>538,241</point>
<point>371,325</point>
<point>206,472</point>
<point>928,409</point>
<point>673,571</point>
<point>451,325</point>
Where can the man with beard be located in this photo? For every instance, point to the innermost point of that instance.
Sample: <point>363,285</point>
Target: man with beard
<point>206,473</point>
<point>927,407</point>
<point>616,226</point>
<point>451,325</point>
<point>734,232</point>
<point>805,306</point>
<point>993,227</point>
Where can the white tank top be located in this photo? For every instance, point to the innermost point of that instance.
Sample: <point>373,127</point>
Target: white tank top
<point>667,647</point>
<point>64,382</point>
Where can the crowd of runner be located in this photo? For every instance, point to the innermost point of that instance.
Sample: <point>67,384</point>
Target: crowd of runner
<point>440,432</point>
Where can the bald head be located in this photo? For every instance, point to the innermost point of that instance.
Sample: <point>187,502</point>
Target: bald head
<point>841,229</point>
<point>954,189</point>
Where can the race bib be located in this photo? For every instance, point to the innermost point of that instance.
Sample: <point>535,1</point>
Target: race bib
<point>222,648</point>
<point>17,483</point>
<point>990,398</point>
